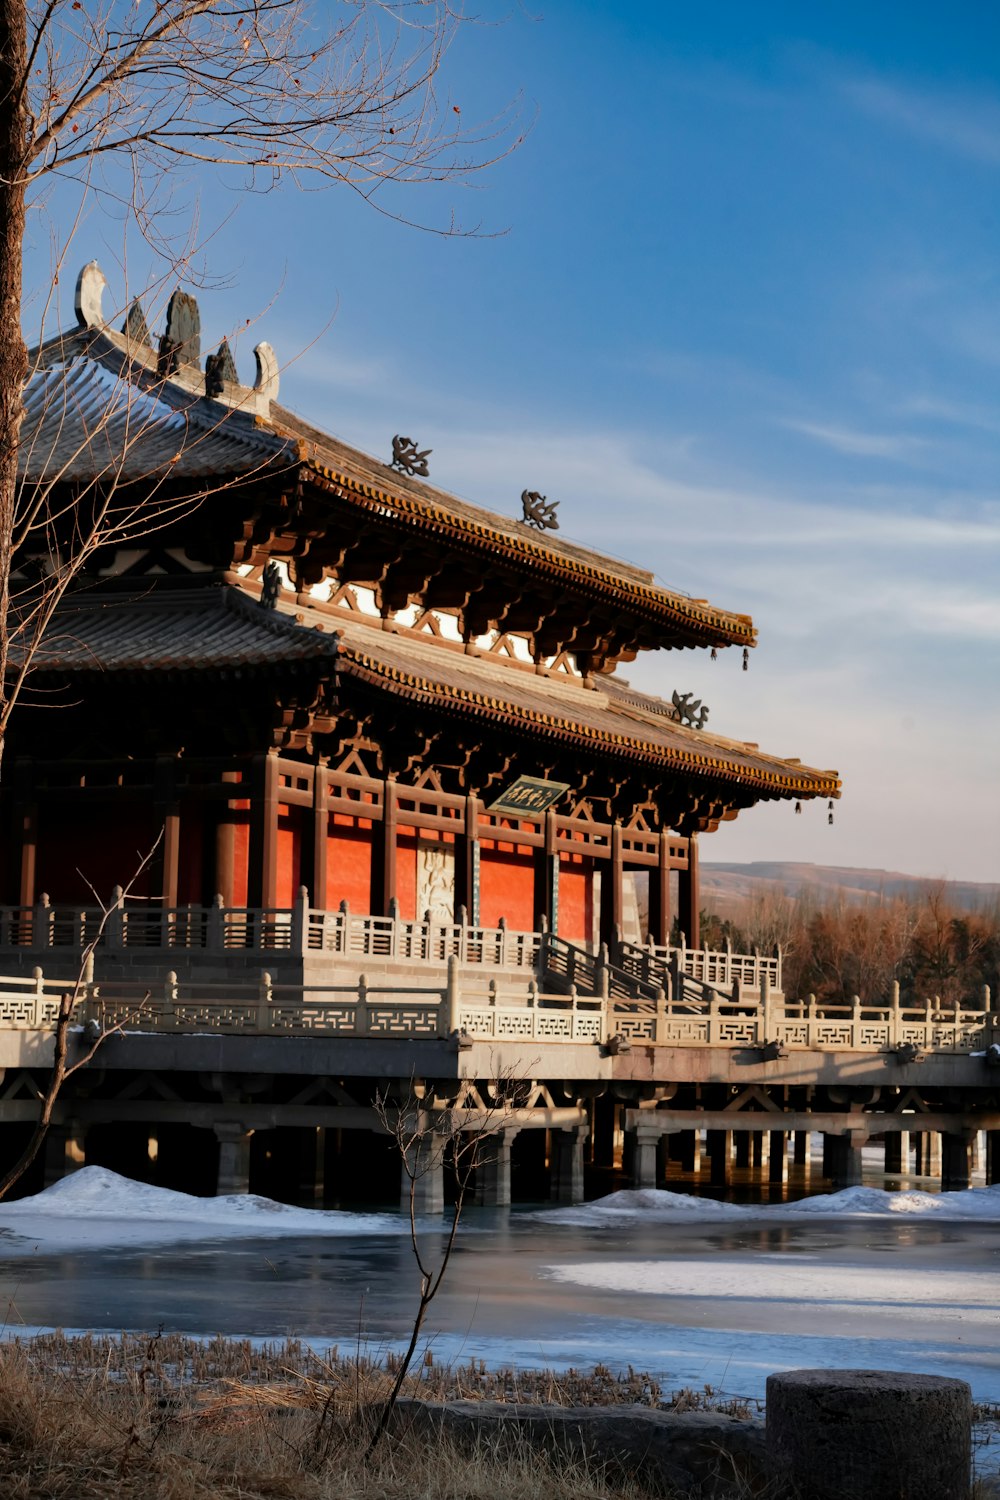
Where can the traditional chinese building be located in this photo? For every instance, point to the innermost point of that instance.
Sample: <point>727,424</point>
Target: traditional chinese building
<point>294,684</point>
<point>319,671</point>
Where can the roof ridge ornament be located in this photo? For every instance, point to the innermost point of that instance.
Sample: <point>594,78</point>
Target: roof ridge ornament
<point>407,459</point>
<point>692,713</point>
<point>539,511</point>
<point>220,370</point>
<point>181,344</point>
<point>135,328</point>
<point>90,286</point>
<point>268,374</point>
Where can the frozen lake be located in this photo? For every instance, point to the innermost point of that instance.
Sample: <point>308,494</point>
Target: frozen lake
<point>696,1293</point>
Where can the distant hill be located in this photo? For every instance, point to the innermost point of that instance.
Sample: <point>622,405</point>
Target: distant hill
<point>726,887</point>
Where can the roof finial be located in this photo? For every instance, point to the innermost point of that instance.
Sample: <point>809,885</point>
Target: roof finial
<point>266,384</point>
<point>90,286</point>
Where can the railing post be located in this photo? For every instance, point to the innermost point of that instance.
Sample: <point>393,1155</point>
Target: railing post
<point>114,926</point>
<point>601,972</point>
<point>502,929</point>
<point>343,943</point>
<point>39,997</point>
<point>765,1003</point>
<point>264,998</point>
<point>778,957</point>
<point>452,997</point>
<point>393,914</point>
<point>41,935</point>
<point>856,1021</point>
<point>361,1011</point>
<point>215,926</point>
<point>660,1029</point>
<point>676,971</point>
<point>894,1015</point>
<point>300,922</point>
<point>170,989</point>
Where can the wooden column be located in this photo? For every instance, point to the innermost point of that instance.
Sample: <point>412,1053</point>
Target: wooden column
<point>612,883</point>
<point>225,845</point>
<point>26,816</point>
<point>384,852</point>
<point>165,863</point>
<point>467,863</point>
<point>659,919</point>
<point>315,871</point>
<point>262,874</point>
<point>547,877</point>
<point>21,862</point>
<point>689,902</point>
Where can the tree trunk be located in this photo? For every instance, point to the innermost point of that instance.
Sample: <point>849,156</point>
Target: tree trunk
<point>13,354</point>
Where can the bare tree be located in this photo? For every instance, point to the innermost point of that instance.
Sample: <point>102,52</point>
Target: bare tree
<point>90,1036</point>
<point>463,1137</point>
<point>120,97</point>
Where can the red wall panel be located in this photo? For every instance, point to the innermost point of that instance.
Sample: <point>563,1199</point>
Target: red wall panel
<point>349,863</point>
<point>289,855</point>
<point>506,887</point>
<point>576,897</point>
<point>406,873</point>
<point>241,859</point>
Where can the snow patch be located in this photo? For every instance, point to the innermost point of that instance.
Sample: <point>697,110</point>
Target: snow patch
<point>659,1205</point>
<point>96,1206</point>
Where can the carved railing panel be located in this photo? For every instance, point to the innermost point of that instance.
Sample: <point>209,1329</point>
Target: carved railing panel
<point>510,1010</point>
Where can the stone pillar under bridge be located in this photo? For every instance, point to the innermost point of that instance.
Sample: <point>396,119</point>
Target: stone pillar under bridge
<point>493,1168</point>
<point>992,1157</point>
<point>843,1156</point>
<point>956,1161</point>
<point>422,1175</point>
<point>234,1159</point>
<point>644,1157</point>
<point>566,1168</point>
<point>718,1145</point>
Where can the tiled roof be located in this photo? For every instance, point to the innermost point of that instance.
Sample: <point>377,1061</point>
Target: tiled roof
<point>213,627</point>
<point>377,487</point>
<point>596,717</point>
<point>90,412</point>
<point>88,416</point>
<point>204,629</point>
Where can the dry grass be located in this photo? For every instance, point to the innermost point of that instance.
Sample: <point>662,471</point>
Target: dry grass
<point>169,1418</point>
<point>173,1419</point>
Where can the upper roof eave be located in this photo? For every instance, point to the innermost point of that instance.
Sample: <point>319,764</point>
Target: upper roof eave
<point>363,480</point>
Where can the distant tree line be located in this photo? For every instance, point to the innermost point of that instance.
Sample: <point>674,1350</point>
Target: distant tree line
<point>838,948</point>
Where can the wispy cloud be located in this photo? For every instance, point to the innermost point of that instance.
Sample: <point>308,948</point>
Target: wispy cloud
<point>968,127</point>
<point>953,413</point>
<point>858,444</point>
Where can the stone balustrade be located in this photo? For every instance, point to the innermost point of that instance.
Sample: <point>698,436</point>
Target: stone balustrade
<point>461,1003</point>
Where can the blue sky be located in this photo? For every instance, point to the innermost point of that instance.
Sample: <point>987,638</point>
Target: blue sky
<point>737,310</point>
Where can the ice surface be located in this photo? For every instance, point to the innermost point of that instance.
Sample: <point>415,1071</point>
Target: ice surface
<point>780,1280</point>
<point>97,1207</point>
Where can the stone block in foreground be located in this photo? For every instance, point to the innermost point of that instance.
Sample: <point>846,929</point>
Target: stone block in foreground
<point>870,1434</point>
<point>701,1454</point>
